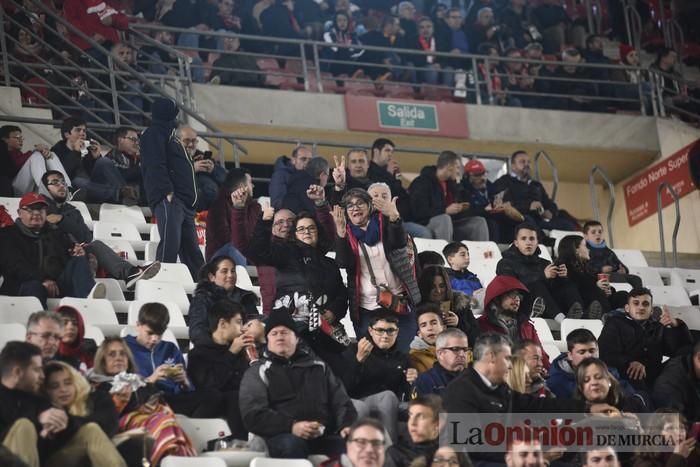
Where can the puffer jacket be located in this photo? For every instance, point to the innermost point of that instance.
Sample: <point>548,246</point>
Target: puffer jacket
<point>528,269</point>
<point>422,356</point>
<point>276,392</point>
<point>279,181</point>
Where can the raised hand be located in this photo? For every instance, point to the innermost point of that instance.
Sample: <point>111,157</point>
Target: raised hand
<point>268,213</point>
<point>316,193</point>
<point>386,207</point>
<point>364,348</point>
<point>339,219</point>
<point>339,176</point>
<point>239,197</point>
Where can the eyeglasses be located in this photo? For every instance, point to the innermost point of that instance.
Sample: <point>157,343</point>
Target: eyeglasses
<point>357,205</point>
<point>513,294</point>
<point>133,139</point>
<point>307,229</point>
<point>46,335</point>
<point>35,208</point>
<point>57,182</point>
<point>363,443</point>
<point>456,349</point>
<point>387,331</point>
<point>189,141</point>
<point>443,461</point>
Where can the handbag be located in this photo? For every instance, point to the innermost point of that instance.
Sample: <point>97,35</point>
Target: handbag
<point>385,298</point>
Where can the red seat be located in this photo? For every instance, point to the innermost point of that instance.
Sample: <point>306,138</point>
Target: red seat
<point>360,88</point>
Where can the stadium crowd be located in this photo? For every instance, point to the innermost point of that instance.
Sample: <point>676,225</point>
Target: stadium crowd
<point>430,336</point>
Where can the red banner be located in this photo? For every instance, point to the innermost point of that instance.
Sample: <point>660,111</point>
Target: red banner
<point>640,192</point>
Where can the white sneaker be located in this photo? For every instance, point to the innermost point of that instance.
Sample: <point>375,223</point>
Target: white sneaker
<point>144,273</point>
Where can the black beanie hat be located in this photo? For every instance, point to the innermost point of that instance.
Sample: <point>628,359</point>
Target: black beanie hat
<point>279,318</point>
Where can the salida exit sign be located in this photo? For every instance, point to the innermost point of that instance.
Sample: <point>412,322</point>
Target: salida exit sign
<point>407,116</point>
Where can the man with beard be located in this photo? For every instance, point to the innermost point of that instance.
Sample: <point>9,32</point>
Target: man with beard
<point>452,357</point>
<point>68,219</point>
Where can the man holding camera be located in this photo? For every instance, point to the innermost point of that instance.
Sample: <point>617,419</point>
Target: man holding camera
<point>209,175</point>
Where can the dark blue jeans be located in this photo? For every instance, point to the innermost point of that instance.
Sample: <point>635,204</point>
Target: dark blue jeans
<point>178,235</point>
<point>289,446</point>
<point>76,280</point>
<point>106,173</point>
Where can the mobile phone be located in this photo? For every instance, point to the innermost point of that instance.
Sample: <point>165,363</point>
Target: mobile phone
<point>208,154</point>
<point>445,307</point>
<point>695,431</point>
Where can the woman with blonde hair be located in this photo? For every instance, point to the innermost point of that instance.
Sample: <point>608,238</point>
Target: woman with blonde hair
<point>518,377</point>
<point>136,402</point>
<point>67,389</point>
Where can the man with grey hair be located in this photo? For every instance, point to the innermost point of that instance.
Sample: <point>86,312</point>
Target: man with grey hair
<point>452,348</point>
<point>45,330</point>
<point>482,388</point>
<point>209,175</point>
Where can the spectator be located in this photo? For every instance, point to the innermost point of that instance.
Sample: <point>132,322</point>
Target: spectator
<point>285,168</point>
<point>67,389</point>
<point>376,374</point>
<point>156,59</point>
<point>121,167</point>
<point>594,54</point>
<point>99,21</point>
<point>364,446</point>
<point>531,353</point>
<point>574,254</point>
<point>635,340</point>
<point>358,165</point>
<point>518,378</point>
<point>423,353</point>
<point>606,456</point>
<point>381,191</point>
<point>673,426</point>
<point>171,190</point>
<point>69,220</point>
<point>529,197</point>
<point>129,90</point>
<point>481,388</point>
<point>74,347</point>
<point>26,168</point>
<point>233,209</point>
<point>135,407</point>
<point>553,20</point>
<point>581,344</point>
<point>501,217</point>
<point>210,176</point>
<point>217,281</point>
<point>407,20</point>
<point>634,84</point>
<point>26,416</point>
<point>387,36</point>
<point>40,261</point>
<point>595,384</point>
<point>281,20</point>
<point>340,33</point>
<point>7,169</point>
<point>551,293</point>
<point>428,66</point>
<point>236,68</point>
<point>603,259</point>
<point>436,202</point>
<point>503,314</point>
<point>371,244</point>
<point>219,365</point>
<point>435,288</point>
<point>453,356</point>
<point>287,396</point>
<point>425,421</point>
<point>45,330</point>
<point>303,270</point>
<point>484,30</point>
<point>461,279</point>
<point>161,363</point>
<point>316,173</point>
<point>673,88</point>
<point>456,37</point>
<point>523,453</point>
<point>429,258</point>
<point>447,455</point>
<point>675,386</point>
<point>385,168</point>
<point>516,17</point>
<point>518,82</point>
<point>572,85</point>
<point>497,92</point>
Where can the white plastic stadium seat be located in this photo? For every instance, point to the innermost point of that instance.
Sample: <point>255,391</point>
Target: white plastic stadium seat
<point>97,312</point>
<point>85,212</point>
<point>243,279</point>
<point>177,321</point>
<point>201,430</point>
<point>545,253</point>
<point>649,276</point>
<point>689,314</point>
<point>94,333</point>
<point>130,330</point>
<point>670,295</point>
<point>121,213</point>
<point>18,309</point>
<point>483,258</point>
<point>119,246</point>
<point>557,235</point>
<point>12,332</point>
<point>270,462</point>
<point>119,231</point>
<point>177,461</point>
<point>551,349</point>
<point>149,253</point>
<point>11,205</point>
<point>429,244</point>
<point>155,235</point>
<point>568,325</point>
<point>631,257</point>
<point>175,272</point>
<point>152,290</point>
<point>687,278</point>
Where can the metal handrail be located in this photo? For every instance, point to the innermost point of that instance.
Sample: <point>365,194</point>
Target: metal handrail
<point>676,225</point>
<point>594,198</point>
<point>552,166</point>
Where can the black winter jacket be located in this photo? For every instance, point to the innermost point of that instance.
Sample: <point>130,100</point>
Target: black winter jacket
<point>624,340</point>
<point>527,269</point>
<point>406,451</point>
<point>165,166</point>
<point>382,370</point>
<point>427,198</point>
<point>25,258</point>
<point>276,392</point>
<point>677,387</point>
<point>213,366</point>
<point>522,194</point>
<point>602,257</point>
<point>72,221</point>
<point>205,295</point>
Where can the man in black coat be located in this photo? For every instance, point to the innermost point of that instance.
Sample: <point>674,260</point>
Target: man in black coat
<point>40,260</point>
<point>677,385</point>
<point>482,388</point>
<point>635,340</point>
<point>292,399</point>
<point>424,425</point>
<point>376,374</point>
<point>551,292</point>
<point>528,196</point>
<point>33,430</point>
<point>220,364</point>
<point>437,201</point>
